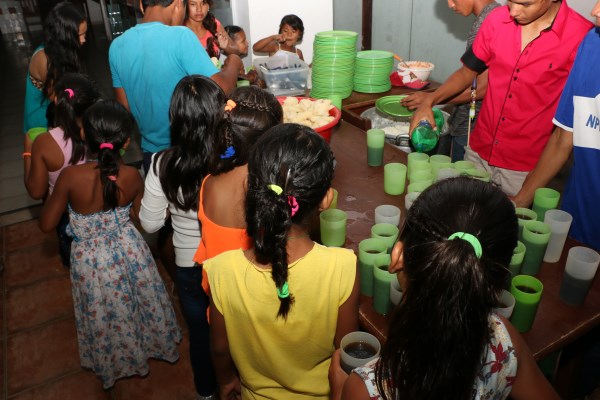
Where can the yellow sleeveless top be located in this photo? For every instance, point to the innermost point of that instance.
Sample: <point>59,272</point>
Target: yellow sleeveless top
<point>277,358</point>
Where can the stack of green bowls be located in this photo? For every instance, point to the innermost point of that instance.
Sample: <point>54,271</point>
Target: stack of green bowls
<point>372,71</point>
<point>334,54</point>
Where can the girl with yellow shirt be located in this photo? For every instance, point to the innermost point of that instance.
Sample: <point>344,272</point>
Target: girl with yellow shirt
<point>280,309</point>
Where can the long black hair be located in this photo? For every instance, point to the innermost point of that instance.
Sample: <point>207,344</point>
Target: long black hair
<point>107,126</point>
<point>61,43</point>
<point>210,24</point>
<point>256,111</point>
<point>74,94</point>
<point>299,161</point>
<point>197,121</point>
<point>439,332</point>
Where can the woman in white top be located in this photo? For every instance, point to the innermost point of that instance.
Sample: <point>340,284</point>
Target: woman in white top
<point>172,186</point>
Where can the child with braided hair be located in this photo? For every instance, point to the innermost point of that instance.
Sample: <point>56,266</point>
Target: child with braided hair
<point>48,153</point>
<point>279,309</point>
<point>123,313</point>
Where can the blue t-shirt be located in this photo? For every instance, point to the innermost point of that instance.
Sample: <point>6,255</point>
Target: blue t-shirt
<point>579,112</point>
<point>148,61</point>
<point>35,104</point>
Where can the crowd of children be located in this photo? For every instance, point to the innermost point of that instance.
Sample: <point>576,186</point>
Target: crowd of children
<point>265,305</point>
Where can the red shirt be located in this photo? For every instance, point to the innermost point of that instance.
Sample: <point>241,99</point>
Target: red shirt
<point>515,120</point>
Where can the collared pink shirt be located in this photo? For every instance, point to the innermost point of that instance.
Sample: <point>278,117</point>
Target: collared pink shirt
<point>515,120</point>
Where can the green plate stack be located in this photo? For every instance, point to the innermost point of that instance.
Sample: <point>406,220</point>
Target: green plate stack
<point>334,54</point>
<point>372,71</point>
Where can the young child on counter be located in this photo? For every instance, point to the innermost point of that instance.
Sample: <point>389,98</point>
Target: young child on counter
<point>291,31</point>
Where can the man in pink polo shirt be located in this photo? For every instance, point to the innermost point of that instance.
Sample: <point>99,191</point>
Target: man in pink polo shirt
<point>528,48</point>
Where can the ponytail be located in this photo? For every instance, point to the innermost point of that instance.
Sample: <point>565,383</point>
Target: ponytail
<point>210,24</point>
<point>108,126</point>
<point>287,179</point>
<point>453,284</point>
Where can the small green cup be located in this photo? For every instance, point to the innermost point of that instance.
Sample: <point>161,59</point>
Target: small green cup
<point>387,233</point>
<point>394,178</point>
<point>536,235</point>
<point>422,175</point>
<point>33,133</point>
<point>462,166</point>
<point>336,100</point>
<point>368,252</point>
<point>381,284</point>
<point>334,201</point>
<point>544,199</point>
<point>439,161</point>
<point>333,227</point>
<point>416,159</point>
<point>524,215</point>
<point>418,186</point>
<point>375,144</point>
<point>480,174</point>
<point>517,259</point>
<point>527,291</point>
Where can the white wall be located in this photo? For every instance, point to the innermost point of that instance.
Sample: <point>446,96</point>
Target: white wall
<point>262,19</point>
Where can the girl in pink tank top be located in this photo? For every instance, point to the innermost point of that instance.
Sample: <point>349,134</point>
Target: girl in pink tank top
<point>62,146</point>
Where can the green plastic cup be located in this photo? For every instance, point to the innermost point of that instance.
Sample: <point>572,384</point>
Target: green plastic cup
<point>527,291</point>
<point>394,178</point>
<point>243,82</point>
<point>544,199</point>
<point>335,200</point>
<point>368,250</point>
<point>418,186</point>
<point>381,284</point>
<point>387,233</point>
<point>416,159</point>
<point>336,100</point>
<point>333,227</point>
<point>480,174</point>
<point>33,133</point>
<point>422,175</point>
<point>375,144</point>
<point>517,259</point>
<point>524,215</point>
<point>462,166</point>
<point>439,161</point>
<point>536,235</point>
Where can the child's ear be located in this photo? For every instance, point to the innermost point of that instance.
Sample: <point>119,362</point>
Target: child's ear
<point>327,199</point>
<point>397,255</point>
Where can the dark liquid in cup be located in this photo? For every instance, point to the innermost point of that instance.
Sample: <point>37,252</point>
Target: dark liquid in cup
<point>360,350</point>
<point>537,232</point>
<point>573,291</point>
<point>373,252</point>
<point>502,305</point>
<point>526,289</point>
<point>524,217</point>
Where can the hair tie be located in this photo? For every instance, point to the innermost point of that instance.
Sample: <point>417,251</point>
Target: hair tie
<point>229,152</point>
<point>276,188</point>
<point>473,241</point>
<point>284,292</point>
<point>293,205</point>
<point>112,178</point>
<point>230,105</point>
<point>106,146</point>
<point>70,92</point>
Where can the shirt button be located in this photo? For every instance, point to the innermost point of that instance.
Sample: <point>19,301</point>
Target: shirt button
<point>495,142</point>
<point>518,70</point>
<point>515,78</point>
<point>510,96</point>
<point>503,118</point>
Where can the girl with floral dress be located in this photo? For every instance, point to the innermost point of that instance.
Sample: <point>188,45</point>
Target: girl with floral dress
<point>122,311</point>
<point>444,341</point>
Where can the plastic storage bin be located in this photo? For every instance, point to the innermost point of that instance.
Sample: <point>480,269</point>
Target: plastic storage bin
<point>283,80</point>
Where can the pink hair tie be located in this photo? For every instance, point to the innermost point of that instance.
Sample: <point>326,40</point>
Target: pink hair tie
<point>70,92</point>
<point>293,205</point>
<point>106,146</point>
<point>112,178</point>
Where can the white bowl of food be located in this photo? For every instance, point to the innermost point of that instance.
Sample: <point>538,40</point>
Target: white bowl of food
<point>420,69</point>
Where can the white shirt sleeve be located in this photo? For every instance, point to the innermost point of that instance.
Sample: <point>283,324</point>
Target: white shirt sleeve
<point>153,212</point>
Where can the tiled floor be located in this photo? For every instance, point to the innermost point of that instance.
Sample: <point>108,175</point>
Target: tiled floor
<point>38,348</point>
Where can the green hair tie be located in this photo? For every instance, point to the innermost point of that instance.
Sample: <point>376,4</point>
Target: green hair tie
<point>276,188</point>
<point>284,292</point>
<point>473,241</point>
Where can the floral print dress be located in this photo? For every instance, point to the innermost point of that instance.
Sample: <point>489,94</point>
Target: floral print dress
<point>495,378</point>
<point>122,311</point>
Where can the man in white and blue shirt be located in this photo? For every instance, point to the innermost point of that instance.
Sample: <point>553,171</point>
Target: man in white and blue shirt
<point>577,131</point>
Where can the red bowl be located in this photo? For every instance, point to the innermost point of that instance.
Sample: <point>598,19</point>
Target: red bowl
<point>325,130</point>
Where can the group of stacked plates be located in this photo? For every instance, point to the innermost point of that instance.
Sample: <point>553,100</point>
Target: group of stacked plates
<point>334,54</point>
<point>372,71</point>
